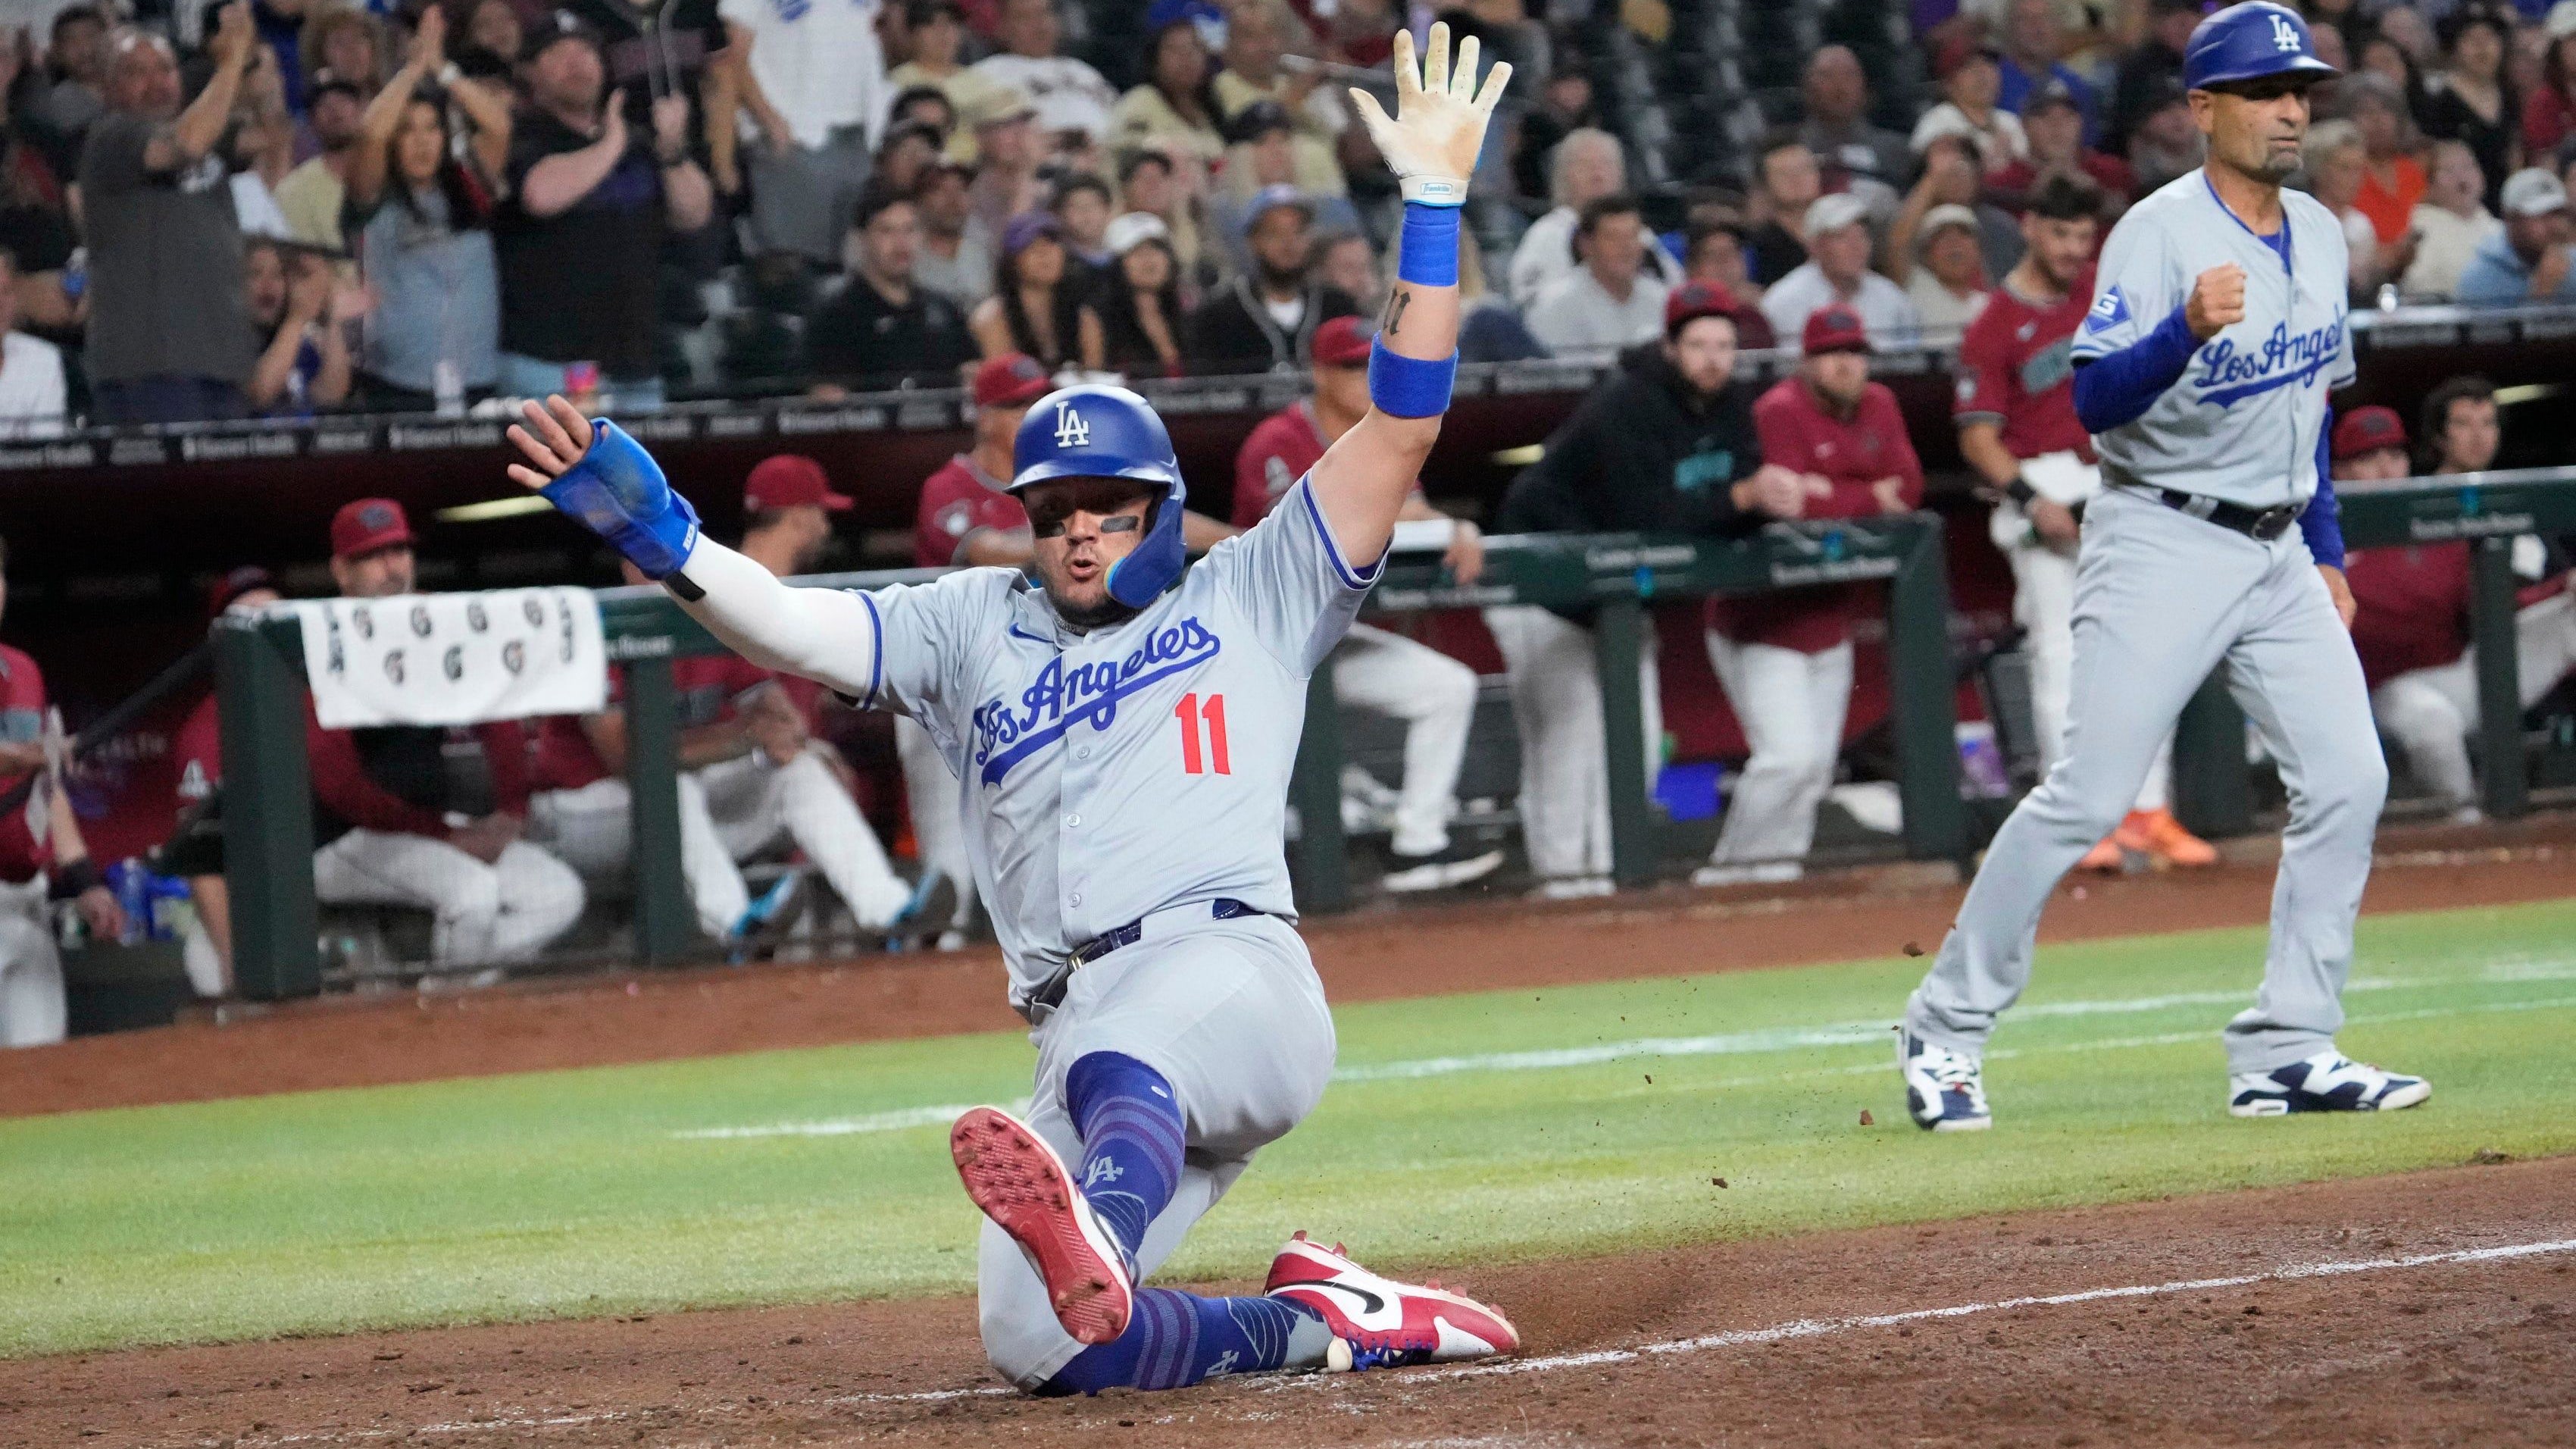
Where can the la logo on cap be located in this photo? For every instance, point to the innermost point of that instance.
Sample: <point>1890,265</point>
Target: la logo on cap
<point>1070,430</point>
<point>2285,36</point>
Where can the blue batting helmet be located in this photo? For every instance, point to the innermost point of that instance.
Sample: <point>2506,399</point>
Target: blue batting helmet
<point>2250,42</point>
<point>1099,431</point>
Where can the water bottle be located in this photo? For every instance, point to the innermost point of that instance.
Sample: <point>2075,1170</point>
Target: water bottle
<point>449,382</point>
<point>76,274</point>
<point>132,885</point>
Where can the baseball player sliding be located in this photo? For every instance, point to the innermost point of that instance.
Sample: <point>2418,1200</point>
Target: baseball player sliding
<point>2202,372</point>
<point>1124,731</point>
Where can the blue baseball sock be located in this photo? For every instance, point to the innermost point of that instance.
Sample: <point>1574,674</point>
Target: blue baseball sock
<point>1130,1124</point>
<point>1175,1339</point>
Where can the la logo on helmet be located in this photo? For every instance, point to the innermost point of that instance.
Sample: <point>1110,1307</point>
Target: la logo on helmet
<point>2285,36</point>
<point>1070,430</point>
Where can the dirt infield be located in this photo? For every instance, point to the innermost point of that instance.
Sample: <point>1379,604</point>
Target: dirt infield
<point>1370,955</point>
<point>2434,1308</point>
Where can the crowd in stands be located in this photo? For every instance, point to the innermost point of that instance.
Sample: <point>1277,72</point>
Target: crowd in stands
<point>268,208</point>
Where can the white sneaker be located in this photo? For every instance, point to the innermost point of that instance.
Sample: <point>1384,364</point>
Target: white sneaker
<point>1767,872</point>
<point>2326,1082</point>
<point>1574,887</point>
<point>1944,1089</point>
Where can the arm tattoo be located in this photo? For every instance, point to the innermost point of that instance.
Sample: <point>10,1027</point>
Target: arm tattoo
<point>1395,306</point>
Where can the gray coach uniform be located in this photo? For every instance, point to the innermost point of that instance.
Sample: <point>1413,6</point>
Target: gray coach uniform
<point>1137,777</point>
<point>2163,596</point>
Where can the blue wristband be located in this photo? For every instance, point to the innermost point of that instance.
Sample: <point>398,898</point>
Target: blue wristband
<point>1409,387</point>
<point>619,492</point>
<point>1427,253</point>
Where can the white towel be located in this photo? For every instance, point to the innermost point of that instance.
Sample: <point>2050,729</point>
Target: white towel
<point>453,659</point>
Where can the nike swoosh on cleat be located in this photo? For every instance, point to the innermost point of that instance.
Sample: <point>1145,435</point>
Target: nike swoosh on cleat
<point>1375,1304</point>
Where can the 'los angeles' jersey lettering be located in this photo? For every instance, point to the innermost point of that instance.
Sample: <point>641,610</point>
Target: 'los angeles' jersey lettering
<point>1060,698</point>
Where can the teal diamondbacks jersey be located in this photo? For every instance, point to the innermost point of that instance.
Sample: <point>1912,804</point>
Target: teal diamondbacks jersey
<point>1146,765</point>
<point>2241,424</point>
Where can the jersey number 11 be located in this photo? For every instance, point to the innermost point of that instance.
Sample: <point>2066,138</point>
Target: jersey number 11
<point>1214,760</point>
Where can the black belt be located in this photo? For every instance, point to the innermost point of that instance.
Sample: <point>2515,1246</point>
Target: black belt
<point>2265,524</point>
<point>1051,994</point>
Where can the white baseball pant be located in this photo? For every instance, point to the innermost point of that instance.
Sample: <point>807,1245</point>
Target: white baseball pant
<point>593,830</point>
<point>1791,704</point>
<point>1556,707</point>
<point>483,915</point>
<point>2431,713</point>
<point>32,1009</point>
<point>2044,605</point>
<point>938,803</point>
<point>1435,696</point>
<point>753,801</point>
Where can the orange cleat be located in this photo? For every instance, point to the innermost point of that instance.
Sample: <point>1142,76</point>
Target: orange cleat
<point>2159,836</point>
<point>2104,857</point>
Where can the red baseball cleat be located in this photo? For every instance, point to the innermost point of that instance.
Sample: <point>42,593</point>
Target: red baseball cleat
<point>2159,836</point>
<point>1380,1323</point>
<point>1020,1183</point>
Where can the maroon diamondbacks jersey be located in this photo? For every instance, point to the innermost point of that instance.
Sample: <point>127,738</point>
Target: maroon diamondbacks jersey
<point>2017,370</point>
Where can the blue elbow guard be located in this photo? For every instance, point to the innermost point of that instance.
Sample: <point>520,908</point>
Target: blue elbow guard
<point>618,491</point>
<point>1409,387</point>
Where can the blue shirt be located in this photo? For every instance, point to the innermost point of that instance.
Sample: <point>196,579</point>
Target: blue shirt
<point>2497,277</point>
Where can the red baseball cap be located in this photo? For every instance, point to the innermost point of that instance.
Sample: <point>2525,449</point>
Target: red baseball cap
<point>1344,342</point>
<point>790,480</point>
<point>1835,329</point>
<point>1691,301</point>
<point>233,585</point>
<point>2367,430</point>
<point>1010,380</point>
<point>367,525</point>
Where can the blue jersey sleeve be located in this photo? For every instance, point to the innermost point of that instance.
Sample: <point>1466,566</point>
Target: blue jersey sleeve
<point>2116,388</point>
<point>2322,524</point>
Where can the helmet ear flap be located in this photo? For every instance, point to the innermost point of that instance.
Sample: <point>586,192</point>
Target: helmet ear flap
<point>1155,564</point>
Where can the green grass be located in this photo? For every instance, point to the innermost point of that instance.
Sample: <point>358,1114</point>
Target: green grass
<point>567,1193</point>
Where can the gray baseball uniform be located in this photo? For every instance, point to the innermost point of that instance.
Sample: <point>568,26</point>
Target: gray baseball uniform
<point>2162,597</point>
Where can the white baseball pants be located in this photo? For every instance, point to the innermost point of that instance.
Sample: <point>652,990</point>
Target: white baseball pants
<point>32,1008</point>
<point>593,830</point>
<point>753,801</point>
<point>2044,605</point>
<point>1556,707</point>
<point>2431,713</point>
<point>2161,599</point>
<point>483,915</point>
<point>1435,696</point>
<point>1792,705</point>
<point>938,803</point>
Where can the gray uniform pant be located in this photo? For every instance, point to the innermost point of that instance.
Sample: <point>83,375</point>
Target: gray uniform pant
<point>2160,600</point>
<point>1231,1014</point>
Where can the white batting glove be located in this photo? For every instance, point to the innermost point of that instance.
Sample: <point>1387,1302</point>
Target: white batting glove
<point>1438,128</point>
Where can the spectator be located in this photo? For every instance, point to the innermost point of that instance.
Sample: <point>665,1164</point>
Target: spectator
<point>1362,33</point>
<point>1715,251</point>
<point>1786,181</point>
<point>2151,67</point>
<point>652,53</point>
<point>1565,106</point>
<point>810,81</point>
<point>384,801</point>
<point>1837,128</point>
<point>420,216</point>
<point>2449,224</point>
<point>1082,207</point>
<point>2392,179</point>
<point>1785,659</point>
<point>2333,159</point>
<point>2052,123</point>
<point>1268,153</point>
<point>31,370</point>
<point>1431,694</point>
<point>169,333</point>
<point>1345,260</point>
<point>2383,57</point>
<point>904,156</point>
<point>1176,106</point>
<point>1258,35</point>
<point>304,351</point>
<point>1971,80</point>
<point>883,328</point>
<point>935,31</point>
<point>1071,98</point>
<point>1265,319</point>
<point>1040,305</point>
<point>74,90</point>
<point>1837,271</point>
<point>261,149</point>
<point>1611,300</point>
<point>36,229</point>
<point>580,239</point>
<point>42,859</point>
<point>1141,314</point>
<point>1950,178</point>
<point>2413,624</point>
<point>1949,288</point>
<point>1006,182</point>
<point>2529,260</point>
<point>2549,116</point>
<point>345,43</point>
<point>1587,166</point>
<point>2471,100</point>
<point>1665,444</point>
<point>956,259</point>
<point>1149,184</point>
<point>2167,144</point>
<point>1489,326</point>
<point>281,33</point>
<point>2029,64</point>
<point>493,40</point>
